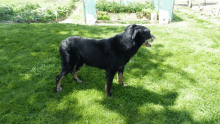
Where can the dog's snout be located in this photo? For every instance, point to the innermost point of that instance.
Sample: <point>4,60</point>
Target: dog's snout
<point>152,36</point>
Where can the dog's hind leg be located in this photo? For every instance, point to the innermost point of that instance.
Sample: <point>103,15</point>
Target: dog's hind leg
<point>79,64</point>
<point>63,73</point>
<point>67,66</point>
<point>58,83</point>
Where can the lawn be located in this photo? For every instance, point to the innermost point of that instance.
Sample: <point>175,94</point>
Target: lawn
<point>175,81</point>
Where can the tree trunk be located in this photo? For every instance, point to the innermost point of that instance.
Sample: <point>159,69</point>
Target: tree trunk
<point>204,3</point>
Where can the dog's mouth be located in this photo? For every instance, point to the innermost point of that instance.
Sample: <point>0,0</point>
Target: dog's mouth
<point>148,42</point>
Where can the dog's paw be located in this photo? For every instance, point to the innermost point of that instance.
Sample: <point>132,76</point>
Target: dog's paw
<point>57,90</point>
<point>123,84</point>
<point>111,97</point>
<point>77,80</point>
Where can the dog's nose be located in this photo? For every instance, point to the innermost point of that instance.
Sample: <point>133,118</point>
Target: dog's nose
<point>153,36</point>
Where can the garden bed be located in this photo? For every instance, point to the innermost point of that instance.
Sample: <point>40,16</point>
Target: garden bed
<point>116,12</point>
<point>21,12</point>
<point>126,18</point>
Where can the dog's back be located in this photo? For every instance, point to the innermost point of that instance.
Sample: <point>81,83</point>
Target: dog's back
<point>93,52</point>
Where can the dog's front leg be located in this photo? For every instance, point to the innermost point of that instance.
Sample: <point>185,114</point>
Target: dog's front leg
<point>120,75</point>
<point>110,76</point>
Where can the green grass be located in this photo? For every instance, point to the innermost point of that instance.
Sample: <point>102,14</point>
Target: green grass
<point>175,81</point>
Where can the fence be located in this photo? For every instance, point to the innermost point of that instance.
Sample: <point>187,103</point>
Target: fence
<point>191,3</point>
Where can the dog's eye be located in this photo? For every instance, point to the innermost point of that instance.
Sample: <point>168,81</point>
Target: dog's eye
<point>142,30</point>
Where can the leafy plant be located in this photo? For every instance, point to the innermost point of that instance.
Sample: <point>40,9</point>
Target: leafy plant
<point>139,15</point>
<point>147,12</point>
<point>30,12</point>
<point>103,16</point>
<point>116,7</point>
<point>6,12</point>
<point>19,7</point>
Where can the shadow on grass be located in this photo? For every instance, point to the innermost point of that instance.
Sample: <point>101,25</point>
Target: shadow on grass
<point>35,61</point>
<point>176,18</point>
<point>130,103</point>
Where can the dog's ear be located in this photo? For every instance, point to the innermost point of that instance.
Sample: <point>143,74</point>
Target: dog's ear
<point>130,27</point>
<point>134,34</point>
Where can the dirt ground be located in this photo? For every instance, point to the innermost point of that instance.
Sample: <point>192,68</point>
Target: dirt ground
<point>209,9</point>
<point>207,12</point>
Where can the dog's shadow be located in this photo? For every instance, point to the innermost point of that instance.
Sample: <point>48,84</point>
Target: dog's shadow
<point>129,101</point>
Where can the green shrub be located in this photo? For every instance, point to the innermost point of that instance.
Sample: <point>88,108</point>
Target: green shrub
<point>29,12</point>
<point>19,7</point>
<point>116,7</point>
<point>103,16</point>
<point>6,12</point>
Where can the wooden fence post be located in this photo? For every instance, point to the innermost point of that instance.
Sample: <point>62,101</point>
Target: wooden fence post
<point>218,9</point>
<point>84,6</point>
<point>190,3</point>
<point>172,10</point>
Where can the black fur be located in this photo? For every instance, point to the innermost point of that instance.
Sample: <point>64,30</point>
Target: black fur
<point>110,54</point>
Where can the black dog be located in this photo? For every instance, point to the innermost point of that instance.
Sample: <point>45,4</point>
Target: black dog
<point>110,54</point>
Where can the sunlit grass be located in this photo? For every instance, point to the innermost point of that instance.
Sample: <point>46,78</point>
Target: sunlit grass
<point>175,81</point>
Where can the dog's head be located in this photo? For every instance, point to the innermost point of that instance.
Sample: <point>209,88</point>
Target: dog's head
<point>140,34</point>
